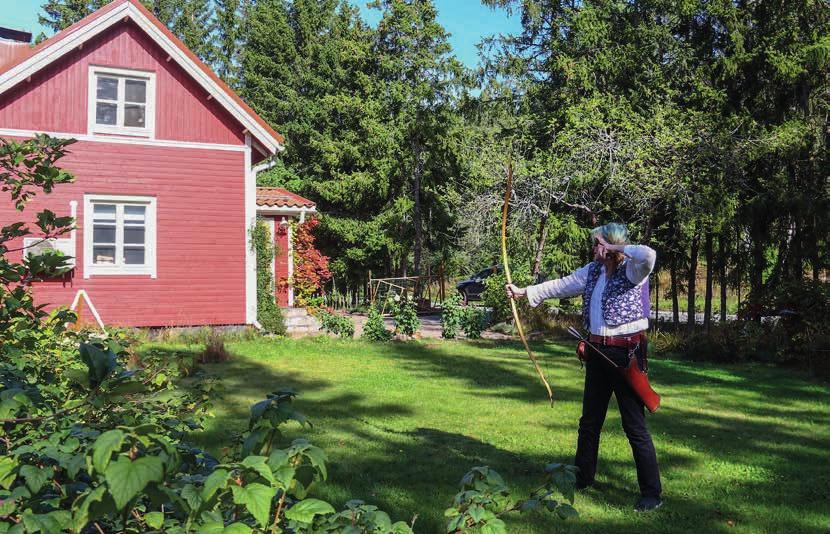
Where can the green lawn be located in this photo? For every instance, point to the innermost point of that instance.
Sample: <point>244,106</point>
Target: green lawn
<point>741,448</point>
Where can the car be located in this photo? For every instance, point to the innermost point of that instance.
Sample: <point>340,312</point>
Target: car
<point>473,287</point>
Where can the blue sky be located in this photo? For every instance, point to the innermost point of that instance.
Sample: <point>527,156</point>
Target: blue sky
<point>467,20</point>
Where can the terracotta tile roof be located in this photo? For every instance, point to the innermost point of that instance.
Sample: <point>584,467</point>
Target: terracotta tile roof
<point>280,198</point>
<point>6,66</point>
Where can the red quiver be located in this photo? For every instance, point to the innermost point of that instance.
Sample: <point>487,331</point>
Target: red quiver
<point>638,380</point>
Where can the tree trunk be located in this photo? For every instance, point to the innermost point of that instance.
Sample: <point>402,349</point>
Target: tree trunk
<point>710,263</point>
<point>416,212</point>
<point>722,275</point>
<point>692,281</point>
<point>656,300</point>
<point>540,247</point>
<point>675,302</point>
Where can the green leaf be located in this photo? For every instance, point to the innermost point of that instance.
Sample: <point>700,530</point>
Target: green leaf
<point>51,523</point>
<point>255,440</point>
<point>566,510</point>
<point>304,511</point>
<point>191,495</point>
<point>126,479</point>
<point>214,482</point>
<point>496,526</point>
<point>7,471</point>
<point>260,465</point>
<point>318,459</point>
<point>154,519</point>
<point>100,364</point>
<point>80,512</point>
<point>107,443</point>
<point>257,499</point>
<point>35,476</point>
<point>215,527</point>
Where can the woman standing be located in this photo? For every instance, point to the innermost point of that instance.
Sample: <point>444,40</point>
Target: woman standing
<point>617,318</point>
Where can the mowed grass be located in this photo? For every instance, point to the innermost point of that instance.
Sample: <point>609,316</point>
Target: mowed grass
<point>741,448</point>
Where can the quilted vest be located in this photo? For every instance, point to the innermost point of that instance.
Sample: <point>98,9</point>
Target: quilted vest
<point>622,301</point>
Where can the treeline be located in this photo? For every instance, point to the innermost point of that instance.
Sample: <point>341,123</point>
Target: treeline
<point>703,124</point>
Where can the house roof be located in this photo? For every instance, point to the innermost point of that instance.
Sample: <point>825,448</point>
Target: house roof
<point>21,65</point>
<point>12,52</point>
<point>278,197</point>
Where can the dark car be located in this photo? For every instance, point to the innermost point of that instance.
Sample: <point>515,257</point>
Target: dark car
<point>473,287</point>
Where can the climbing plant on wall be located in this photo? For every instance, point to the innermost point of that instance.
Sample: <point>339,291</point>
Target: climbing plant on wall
<point>268,313</point>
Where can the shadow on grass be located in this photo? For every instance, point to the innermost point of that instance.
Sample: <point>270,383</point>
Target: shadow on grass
<point>782,469</point>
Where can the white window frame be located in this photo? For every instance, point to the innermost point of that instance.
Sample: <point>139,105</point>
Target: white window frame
<point>149,130</point>
<point>150,233</point>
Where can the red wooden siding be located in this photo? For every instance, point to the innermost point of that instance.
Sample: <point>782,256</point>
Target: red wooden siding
<point>201,233</point>
<point>56,98</point>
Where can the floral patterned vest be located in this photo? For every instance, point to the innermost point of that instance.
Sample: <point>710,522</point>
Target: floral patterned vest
<point>622,301</point>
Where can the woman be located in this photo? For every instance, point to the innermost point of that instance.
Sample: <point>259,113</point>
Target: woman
<point>617,318</point>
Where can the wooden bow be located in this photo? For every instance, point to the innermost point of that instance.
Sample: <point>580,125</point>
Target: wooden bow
<point>507,194</point>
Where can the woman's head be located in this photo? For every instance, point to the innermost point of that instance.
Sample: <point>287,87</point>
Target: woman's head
<point>613,234</point>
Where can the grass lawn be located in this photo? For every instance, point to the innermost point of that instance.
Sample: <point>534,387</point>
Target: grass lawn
<point>741,448</point>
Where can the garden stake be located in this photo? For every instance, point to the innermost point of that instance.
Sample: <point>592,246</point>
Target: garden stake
<point>507,193</point>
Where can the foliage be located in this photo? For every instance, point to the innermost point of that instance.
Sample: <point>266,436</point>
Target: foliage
<point>484,498</point>
<point>311,269</point>
<point>268,313</point>
<point>452,316</point>
<point>473,321</point>
<point>215,351</point>
<point>375,329</point>
<point>335,323</point>
<point>495,296</point>
<point>405,314</point>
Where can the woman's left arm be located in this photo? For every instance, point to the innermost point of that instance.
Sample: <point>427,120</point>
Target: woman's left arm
<point>640,259</point>
<point>640,262</point>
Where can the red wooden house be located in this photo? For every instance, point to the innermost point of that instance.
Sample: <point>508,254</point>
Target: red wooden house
<point>165,167</point>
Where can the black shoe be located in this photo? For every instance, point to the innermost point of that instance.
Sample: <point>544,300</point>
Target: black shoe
<point>647,504</point>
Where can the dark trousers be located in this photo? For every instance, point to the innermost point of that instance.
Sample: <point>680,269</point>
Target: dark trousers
<point>601,378</point>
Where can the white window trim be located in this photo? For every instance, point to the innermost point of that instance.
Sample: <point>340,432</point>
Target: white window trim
<point>149,268</point>
<point>149,131</point>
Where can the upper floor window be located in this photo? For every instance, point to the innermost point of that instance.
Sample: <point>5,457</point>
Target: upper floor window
<point>121,101</point>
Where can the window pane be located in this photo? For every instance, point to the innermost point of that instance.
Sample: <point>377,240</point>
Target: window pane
<point>103,234</point>
<point>134,115</point>
<point>104,213</point>
<point>134,255</point>
<point>105,113</point>
<point>107,88</point>
<point>134,213</point>
<point>135,91</point>
<point>103,255</point>
<point>134,235</point>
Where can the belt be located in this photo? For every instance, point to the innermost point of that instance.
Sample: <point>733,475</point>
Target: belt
<point>628,341</point>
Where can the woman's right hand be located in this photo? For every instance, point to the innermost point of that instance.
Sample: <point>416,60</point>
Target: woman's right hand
<point>514,291</point>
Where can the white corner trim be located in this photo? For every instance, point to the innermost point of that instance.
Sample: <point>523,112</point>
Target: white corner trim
<point>82,293</point>
<point>250,220</point>
<point>150,239</point>
<point>272,227</point>
<point>8,132</point>
<point>55,51</point>
<point>149,130</point>
<point>290,267</point>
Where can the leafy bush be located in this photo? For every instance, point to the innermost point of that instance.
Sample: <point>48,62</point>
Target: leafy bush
<point>268,313</point>
<point>405,314</point>
<point>311,268</point>
<point>375,329</point>
<point>215,351</point>
<point>484,498</point>
<point>336,324</point>
<point>451,316</point>
<point>495,296</point>
<point>473,321</point>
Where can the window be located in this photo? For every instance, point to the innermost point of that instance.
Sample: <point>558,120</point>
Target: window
<point>119,235</point>
<point>121,101</point>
